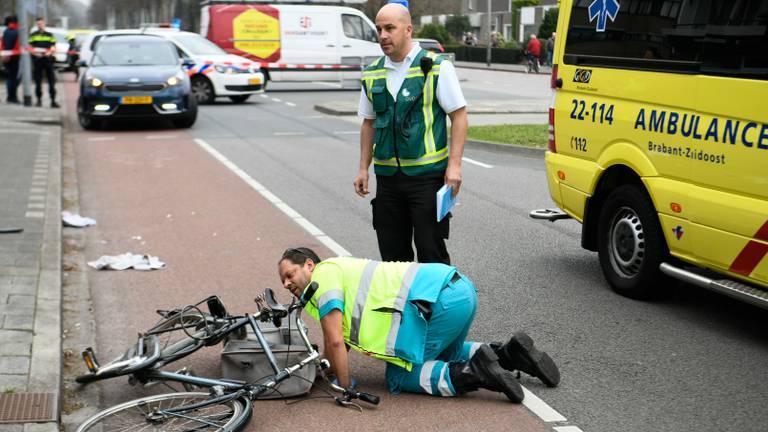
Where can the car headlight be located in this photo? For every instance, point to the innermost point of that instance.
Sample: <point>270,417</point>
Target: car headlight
<point>172,81</point>
<point>223,69</point>
<point>95,82</point>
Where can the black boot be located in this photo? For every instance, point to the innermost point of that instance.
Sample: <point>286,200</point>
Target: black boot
<point>483,371</point>
<point>520,354</point>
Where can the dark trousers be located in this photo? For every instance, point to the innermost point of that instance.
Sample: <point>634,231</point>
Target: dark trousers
<point>405,212</point>
<point>44,66</point>
<point>12,79</point>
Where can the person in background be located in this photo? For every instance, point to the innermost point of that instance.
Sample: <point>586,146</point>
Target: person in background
<point>550,48</point>
<point>43,45</point>
<point>11,56</point>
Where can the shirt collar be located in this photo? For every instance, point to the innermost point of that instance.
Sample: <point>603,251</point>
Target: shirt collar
<point>388,64</point>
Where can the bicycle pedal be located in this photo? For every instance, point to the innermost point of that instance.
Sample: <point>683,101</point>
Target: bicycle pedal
<point>89,357</point>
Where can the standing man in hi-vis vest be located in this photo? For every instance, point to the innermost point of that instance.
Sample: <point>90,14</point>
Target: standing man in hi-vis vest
<point>416,318</point>
<point>405,99</point>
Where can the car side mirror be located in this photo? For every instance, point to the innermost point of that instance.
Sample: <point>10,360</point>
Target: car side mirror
<point>81,63</point>
<point>187,62</point>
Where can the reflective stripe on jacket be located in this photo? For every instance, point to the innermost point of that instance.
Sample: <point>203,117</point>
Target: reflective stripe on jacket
<point>410,130</point>
<point>375,297</point>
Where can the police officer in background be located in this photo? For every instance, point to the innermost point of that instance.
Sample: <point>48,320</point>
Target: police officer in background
<point>404,102</point>
<point>11,55</point>
<point>43,47</point>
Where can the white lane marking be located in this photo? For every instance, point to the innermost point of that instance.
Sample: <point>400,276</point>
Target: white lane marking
<point>36,205</point>
<point>327,84</point>
<point>272,198</point>
<point>472,161</point>
<point>291,104</point>
<point>159,137</point>
<point>568,429</point>
<point>37,197</point>
<point>36,190</point>
<point>264,96</point>
<point>531,401</point>
<point>105,138</point>
<point>34,214</point>
<point>347,132</point>
<point>276,100</point>
<point>289,133</point>
<point>540,408</point>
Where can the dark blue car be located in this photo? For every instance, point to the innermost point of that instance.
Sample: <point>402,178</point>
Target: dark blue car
<point>135,77</point>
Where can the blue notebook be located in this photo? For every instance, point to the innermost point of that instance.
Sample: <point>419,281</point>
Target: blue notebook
<point>445,201</point>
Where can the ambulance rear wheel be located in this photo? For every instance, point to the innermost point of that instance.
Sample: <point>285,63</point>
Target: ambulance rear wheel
<point>631,244</point>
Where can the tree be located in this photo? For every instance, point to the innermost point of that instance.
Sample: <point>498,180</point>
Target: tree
<point>548,23</point>
<point>457,25</point>
<point>516,5</point>
<point>435,31</point>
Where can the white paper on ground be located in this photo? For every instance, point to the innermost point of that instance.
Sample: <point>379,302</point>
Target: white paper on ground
<point>75,220</point>
<point>126,261</point>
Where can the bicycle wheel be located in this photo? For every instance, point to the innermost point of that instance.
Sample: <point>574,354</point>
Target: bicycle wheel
<point>147,414</point>
<point>175,329</point>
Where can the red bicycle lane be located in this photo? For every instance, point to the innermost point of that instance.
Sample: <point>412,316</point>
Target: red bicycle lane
<point>158,192</point>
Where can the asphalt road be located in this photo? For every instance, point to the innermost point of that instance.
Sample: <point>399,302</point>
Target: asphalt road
<point>691,361</point>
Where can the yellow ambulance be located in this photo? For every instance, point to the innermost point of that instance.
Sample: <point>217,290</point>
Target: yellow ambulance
<point>658,141</point>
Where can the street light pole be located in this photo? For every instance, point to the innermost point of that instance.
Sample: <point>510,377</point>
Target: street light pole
<point>22,10</point>
<point>488,50</point>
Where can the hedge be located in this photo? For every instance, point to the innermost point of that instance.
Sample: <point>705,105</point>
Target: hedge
<point>478,54</point>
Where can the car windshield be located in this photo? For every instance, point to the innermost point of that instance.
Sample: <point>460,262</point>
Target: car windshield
<point>134,53</point>
<point>198,45</point>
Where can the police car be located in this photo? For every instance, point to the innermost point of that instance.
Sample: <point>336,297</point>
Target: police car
<point>212,71</point>
<point>658,143</point>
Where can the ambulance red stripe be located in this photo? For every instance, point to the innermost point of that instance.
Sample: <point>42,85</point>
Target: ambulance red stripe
<point>752,254</point>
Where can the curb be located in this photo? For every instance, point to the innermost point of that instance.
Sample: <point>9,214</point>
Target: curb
<point>481,66</point>
<point>341,112</point>
<point>530,152</point>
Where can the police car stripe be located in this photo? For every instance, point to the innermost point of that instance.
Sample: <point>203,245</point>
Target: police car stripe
<point>362,294</point>
<point>752,254</point>
<point>399,305</point>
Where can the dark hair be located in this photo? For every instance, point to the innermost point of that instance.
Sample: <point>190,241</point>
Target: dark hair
<point>299,255</point>
<point>10,19</point>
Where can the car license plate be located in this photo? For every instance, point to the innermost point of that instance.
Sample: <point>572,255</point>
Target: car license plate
<point>136,100</point>
<point>254,81</point>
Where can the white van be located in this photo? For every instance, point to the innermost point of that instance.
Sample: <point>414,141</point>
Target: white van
<point>306,42</point>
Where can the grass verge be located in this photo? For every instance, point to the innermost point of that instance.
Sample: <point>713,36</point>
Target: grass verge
<point>523,135</point>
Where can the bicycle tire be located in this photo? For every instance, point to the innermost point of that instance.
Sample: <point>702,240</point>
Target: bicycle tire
<point>227,416</point>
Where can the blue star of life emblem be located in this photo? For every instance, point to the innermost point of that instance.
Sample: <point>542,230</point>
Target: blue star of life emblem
<point>602,10</point>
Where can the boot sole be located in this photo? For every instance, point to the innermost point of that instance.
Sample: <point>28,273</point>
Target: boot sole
<point>543,367</point>
<point>506,380</point>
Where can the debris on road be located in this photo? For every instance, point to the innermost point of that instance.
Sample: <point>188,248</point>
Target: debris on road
<point>75,220</point>
<point>126,261</point>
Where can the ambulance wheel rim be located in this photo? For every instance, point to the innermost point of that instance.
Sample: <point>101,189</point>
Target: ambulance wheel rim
<point>626,242</point>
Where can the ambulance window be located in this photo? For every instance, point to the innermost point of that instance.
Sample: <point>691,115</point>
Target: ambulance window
<point>713,37</point>
<point>355,27</point>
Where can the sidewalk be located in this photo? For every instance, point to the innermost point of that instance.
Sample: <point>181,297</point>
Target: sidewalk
<point>30,267</point>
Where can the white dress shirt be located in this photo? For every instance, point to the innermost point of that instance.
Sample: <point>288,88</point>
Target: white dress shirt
<point>449,94</point>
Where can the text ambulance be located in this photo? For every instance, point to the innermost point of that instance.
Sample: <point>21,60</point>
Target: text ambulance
<point>659,141</point>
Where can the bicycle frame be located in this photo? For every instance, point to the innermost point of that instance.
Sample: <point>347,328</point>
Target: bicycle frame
<point>155,374</point>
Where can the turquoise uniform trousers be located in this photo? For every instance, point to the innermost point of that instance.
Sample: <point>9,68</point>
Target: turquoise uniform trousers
<point>447,329</point>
